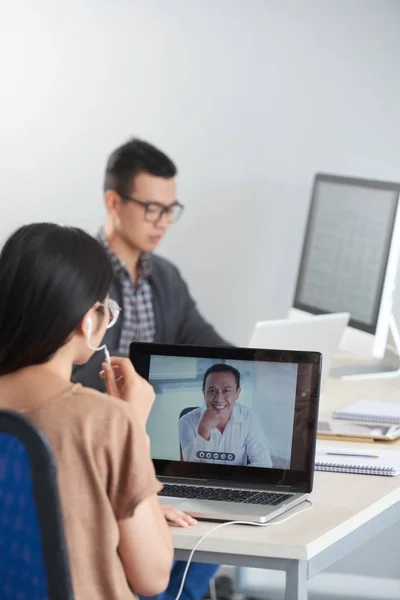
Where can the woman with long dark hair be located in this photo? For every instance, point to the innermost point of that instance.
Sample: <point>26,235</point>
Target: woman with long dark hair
<point>54,311</point>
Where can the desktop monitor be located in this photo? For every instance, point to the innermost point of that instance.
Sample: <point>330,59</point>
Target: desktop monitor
<point>350,255</point>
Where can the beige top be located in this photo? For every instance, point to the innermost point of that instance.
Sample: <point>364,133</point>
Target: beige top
<point>104,471</point>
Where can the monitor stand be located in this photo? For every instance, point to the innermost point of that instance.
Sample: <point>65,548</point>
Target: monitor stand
<point>387,368</point>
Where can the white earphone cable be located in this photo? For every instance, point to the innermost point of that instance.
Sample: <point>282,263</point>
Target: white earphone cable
<point>102,347</point>
<point>233,523</point>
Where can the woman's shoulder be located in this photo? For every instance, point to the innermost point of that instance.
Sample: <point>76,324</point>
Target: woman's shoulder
<point>93,399</point>
<point>87,404</point>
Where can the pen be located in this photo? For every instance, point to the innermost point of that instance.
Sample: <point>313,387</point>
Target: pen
<point>353,455</point>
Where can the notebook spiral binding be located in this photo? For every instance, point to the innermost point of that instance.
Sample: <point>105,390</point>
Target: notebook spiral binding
<point>361,470</point>
<point>370,418</point>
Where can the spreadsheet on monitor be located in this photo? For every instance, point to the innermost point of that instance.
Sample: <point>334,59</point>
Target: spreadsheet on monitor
<point>346,248</point>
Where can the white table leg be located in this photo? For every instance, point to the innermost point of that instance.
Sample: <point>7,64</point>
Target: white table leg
<point>297,581</point>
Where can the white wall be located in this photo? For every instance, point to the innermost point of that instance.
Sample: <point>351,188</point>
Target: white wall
<point>251,97</point>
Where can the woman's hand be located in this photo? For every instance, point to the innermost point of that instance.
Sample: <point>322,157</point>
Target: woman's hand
<point>177,517</point>
<point>123,382</point>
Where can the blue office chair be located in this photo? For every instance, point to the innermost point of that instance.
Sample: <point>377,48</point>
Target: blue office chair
<point>33,554</point>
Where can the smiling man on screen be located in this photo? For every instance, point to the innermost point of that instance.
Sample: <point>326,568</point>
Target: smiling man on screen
<point>223,431</point>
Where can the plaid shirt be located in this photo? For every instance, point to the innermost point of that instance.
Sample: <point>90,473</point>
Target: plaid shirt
<point>138,323</point>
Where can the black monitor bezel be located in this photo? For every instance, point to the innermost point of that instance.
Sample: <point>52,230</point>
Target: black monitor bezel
<point>355,181</point>
<point>295,480</point>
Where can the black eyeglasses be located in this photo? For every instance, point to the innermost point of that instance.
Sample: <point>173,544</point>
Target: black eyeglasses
<point>154,211</point>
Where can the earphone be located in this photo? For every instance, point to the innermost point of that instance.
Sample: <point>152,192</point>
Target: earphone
<point>233,523</point>
<point>89,324</point>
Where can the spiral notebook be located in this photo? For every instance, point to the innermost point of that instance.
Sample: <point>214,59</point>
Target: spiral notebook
<point>345,459</point>
<point>372,411</point>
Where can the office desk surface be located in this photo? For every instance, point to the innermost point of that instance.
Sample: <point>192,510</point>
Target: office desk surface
<point>342,503</point>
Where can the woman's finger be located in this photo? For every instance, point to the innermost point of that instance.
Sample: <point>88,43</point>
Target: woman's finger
<point>188,519</point>
<point>175,520</point>
<point>109,377</point>
<point>115,368</point>
<point>125,368</point>
<point>173,515</point>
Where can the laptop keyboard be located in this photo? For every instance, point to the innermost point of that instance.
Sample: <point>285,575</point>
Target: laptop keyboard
<point>223,494</point>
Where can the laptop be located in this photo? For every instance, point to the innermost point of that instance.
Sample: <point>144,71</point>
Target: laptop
<point>232,430</point>
<point>322,333</point>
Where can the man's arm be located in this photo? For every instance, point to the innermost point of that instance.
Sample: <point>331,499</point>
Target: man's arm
<point>178,321</point>
<point>191,442</point>
<point>193,327</point>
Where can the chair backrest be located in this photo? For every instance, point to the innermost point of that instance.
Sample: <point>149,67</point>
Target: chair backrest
<point>187,410</point>
<point>33,553</point>
<point>184,412</point>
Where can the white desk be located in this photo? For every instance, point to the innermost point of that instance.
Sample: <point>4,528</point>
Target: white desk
<point>348,510</point>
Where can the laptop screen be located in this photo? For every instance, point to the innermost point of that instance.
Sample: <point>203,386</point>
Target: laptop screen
<point>234,414</point>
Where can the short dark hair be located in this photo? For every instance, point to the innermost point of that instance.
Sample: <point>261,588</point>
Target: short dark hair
<point>50,276</point>
<point>222,368</point>
<point>131,159</point>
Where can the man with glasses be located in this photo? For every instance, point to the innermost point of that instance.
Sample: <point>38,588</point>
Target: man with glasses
<point>156,306</point>
<point>141,203</point>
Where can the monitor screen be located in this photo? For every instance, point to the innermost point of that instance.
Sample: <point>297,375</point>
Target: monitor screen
<point>221,413</point>
<point>346,248</point>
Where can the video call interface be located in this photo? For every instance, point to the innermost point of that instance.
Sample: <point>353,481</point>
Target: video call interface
<point>227,412</point>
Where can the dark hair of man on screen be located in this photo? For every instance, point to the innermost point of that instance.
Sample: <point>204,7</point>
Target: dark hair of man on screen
<point>132,158</point>
<point>222,368</point>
